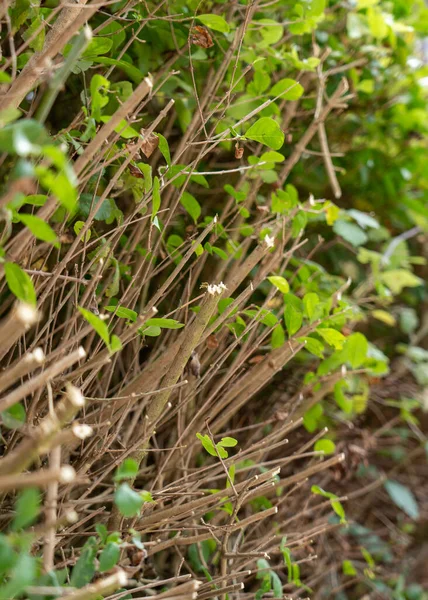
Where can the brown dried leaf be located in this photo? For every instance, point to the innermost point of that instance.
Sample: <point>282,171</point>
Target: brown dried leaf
<point>200,36</point>
<point>239,151</point>
<point>212,342</point>
<point>255,360</point>
<point>135,172</point>
<point>150,144</point>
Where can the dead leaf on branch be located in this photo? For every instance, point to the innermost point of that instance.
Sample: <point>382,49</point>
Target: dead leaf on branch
<point>135,172</point>
<point>239,151</point>
<point>201,37</point>
<point>150,144</point>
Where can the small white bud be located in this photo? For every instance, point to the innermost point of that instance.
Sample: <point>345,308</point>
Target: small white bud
<point>269,241</point>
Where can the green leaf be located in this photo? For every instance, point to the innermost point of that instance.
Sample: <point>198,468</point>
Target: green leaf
<point>280,283</point>
<point>325,445</point>
<point>156,198</point>
<point>23,574</point>
<point>207,444</point>
<point>228,442</point>
<point>97,323</point>
<point>109,557</point>
<point>19,283</point>
<point>299,223</point>
<point>350,232</point>
<point>147,172</point>
<point>127,470</point>
<point>363,219</point>
<point>99,99</point>
<point>123,312</point>
<point>61,185</point>
<point>313,346</point>
<point>152,331</point>
<point>348,568</point>
<point>288,89</point>
<point>266,131</point>
<point>355,349</point>
<point>78,226</point>
<point>191,205</point>
<point>128,501</point>
<point>310,304</point>
<point>164,323</point>
<point>278,337</point>
<point>214,22</point>
<point>133,73</point>
<point>293,313</point>
<point>97,46</point>
<point>115,344</point>
<point>122,128</point>
<point>398,279</point>
<point>271,33</point>
<point>27,508</point>
<point>40,229</point>
<point>5,77</point>
<point>332,337</point>
<point>164,148</point>
<point>84,569</point>
<point>377,25</point>
<point>14,416</point>
<point>403,497</point>
<point>339,510</point>
<point>23,137</point>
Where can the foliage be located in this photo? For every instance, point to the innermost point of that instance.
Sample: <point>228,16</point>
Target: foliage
<point>213,217</point>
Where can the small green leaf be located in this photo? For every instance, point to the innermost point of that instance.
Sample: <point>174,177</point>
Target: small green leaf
<point>123,312</point>
<point>310,304</point>
<point>156,198</point>
<point>127,470</point>
<point>152,331</point>
<point>280,283</point>
<point>164,323</point>
<point>19,283</point>
<point>278,337</point>
<point>350,232</point>
<point>14,416</point>
<point>332,337</point>
<point>115,344</point>
<point>97,323</point>
<point>313,346</point>
<point>77,229</point>
<point>164,148</point>
<point>339,510</point>
<point>288,89</point>
<point>266,131</point>
<point>207,444</point>
<point>293,313</point>
<point>23,137</point>
<point>109,557</point>
<point>191,205</point>
<point>5,77</point>
<point>27,508</point>
<point>40,229</point>
<point>84,569</point>
<point>228,442</point>
<point>214,22</point>
<point>122,128</point>
<point>128,501</point>
<point>325,445</point>
<point>355,349</point>
<point>403,497</point>
<point>397,279</point>
<point>348,568</point>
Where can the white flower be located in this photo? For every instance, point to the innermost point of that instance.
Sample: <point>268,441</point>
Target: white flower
<point>269,241</point>
<point>214,289</point>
